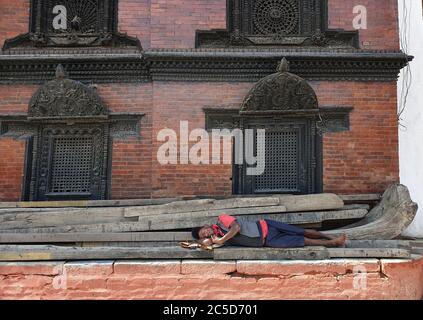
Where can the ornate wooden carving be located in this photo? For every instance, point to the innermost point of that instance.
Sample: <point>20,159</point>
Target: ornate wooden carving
<point>108,65</point>
<point>280,91</point>
<point>64,97</point>
<point>84,23</point>
<point>277,23</point>
<point>71,162</point>
<point>286,106</point>
<point>68,131</point>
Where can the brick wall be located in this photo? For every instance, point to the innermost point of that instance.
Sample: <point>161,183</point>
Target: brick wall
<point>11,168</point>
<point>382,21</point>
<point>14,18</point>
<point>230,280</point>
<point>362,160</point>
<point>365,159</point>
<point>172,23</point>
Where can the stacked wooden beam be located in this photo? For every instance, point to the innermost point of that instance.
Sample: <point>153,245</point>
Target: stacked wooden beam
<point>152,229</point>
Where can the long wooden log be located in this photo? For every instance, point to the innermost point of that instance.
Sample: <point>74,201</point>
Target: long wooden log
<point>88,203</point>
<point>360,197</point>
<point>236,253</point>
<point>47,252</point>
<point>400,244</point>
<point>117,214</point>
<point>58,218</point>
<point>387,220</point>
<point>93,237</point>
<point>201,205</point>
<point>292,204</point>
<point>160,223</point>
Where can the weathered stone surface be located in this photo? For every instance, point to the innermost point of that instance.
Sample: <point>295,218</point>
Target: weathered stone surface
<point>207,268</point>
<point>238,253</point>
<point>147,268</point>
<point>369,253</point>
<point>290,268</point>
<point>94,268</point>
<point>328,279</point>
<point>29,268</point>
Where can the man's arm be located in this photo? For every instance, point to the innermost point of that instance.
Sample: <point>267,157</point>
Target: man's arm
<point>234,228</point>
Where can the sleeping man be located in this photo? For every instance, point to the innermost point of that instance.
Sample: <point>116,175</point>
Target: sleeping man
<point>262,233</point>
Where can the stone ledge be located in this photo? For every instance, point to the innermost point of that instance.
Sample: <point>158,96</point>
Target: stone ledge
<point>176,279</point>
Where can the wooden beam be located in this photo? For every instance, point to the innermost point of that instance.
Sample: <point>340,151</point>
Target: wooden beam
<point>93,237</point>
<point>174,222</point>
<point>291,203</point>
<point>201,205</point>
<point>88,203</point>
<point>387,220</point>
<point>47,252</point>
<point>400,244</point>
<point>360,197</point>
<point>236,253</point>
<point>61,217</point>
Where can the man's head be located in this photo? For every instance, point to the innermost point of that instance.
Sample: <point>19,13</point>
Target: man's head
<point>200,233</point>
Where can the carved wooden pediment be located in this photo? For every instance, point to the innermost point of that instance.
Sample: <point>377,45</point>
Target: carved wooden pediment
<point>63,97</point>
<point>281,91</point>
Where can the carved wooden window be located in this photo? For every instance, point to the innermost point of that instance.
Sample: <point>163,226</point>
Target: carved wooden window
<point>277,22</point>
<point>277,17</point>
<point>72,162</point>
<point>72,23</point>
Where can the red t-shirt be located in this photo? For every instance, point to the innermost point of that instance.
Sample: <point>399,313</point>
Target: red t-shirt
<point>227,220</point>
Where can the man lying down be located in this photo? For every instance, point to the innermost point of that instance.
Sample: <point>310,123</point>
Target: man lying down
<point>262,233</point>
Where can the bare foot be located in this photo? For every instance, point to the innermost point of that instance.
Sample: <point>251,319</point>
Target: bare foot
<point>339,241</point>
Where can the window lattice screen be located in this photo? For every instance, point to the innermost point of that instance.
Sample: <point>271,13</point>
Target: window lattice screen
<point>282,158</point>
<point>72,164</point>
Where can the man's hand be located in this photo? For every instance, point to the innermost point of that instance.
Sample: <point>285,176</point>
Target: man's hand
<point>217,240</point>
<point>206,242</point>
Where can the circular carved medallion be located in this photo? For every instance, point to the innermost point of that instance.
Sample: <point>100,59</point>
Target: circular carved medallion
<point>276,16</point>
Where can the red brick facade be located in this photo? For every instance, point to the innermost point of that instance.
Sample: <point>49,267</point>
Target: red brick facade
<point>172,23</point>
<point>364,159</point>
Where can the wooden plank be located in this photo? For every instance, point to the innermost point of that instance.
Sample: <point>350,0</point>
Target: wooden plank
<point>105,215</point>
<point>311,202</point>
<point>369,253</point>
<point>129,244</point>
<point>93,237</point>
<point>201,205</point>
<point>360,197</point>
<point>292,204</point>
<point>47,252</point>
<point>417,243</point>
<point>88,203</point>
<point>58,218</point>
<point>400,244</point>
<point>387,220</point>
<point>236,253</point>
<point>417,251</point>
<point>169,222</point>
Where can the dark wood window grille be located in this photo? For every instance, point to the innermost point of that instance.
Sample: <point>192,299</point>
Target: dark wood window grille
<point>72,162</point>
<point>282,156</point>
<point>72,165</point>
